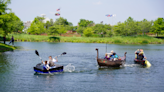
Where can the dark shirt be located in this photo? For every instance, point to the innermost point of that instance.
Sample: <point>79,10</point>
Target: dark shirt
<point>140,57</point>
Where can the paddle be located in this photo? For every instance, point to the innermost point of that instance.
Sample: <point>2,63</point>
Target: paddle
<point>37,53</point>
<point>62,54</point>
<point>147,62</point>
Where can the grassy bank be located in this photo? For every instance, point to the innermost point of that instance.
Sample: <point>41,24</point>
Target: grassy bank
<point>4,47</point>
<point>111,40</point>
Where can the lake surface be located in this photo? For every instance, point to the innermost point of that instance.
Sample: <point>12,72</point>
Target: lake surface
<point>17,75</point>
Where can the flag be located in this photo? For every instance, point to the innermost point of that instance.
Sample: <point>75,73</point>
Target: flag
<point>111,15</point>
<point>108,15</point>
<point>57,14</point>
<point>58,9</point>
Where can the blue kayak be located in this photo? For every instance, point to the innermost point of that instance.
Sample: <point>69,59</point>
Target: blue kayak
<point>41,70</point>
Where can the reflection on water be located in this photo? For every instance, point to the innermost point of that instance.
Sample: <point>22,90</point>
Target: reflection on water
<point>81,71</point>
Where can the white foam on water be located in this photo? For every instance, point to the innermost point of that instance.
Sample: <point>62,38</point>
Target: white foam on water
<point>131,65</point>
<point>69,68</point>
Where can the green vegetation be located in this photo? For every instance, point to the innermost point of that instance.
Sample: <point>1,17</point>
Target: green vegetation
<point>112,40</point>
<point>9,22</point>
<point>4,47</point>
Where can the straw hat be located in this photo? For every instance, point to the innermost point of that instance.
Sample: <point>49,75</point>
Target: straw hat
<point>111,51</point>
<point>141,52</point>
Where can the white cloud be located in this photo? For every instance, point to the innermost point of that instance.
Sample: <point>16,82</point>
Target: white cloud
<point>97,3</point>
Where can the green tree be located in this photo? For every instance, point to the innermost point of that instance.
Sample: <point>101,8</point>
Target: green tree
<point>101,29</point>
<point>85,23</point>
<point>57,29</point>
<point>37,27</point>
<point>62,21</point>
<point>52,31</point>
<point>48,24</point>
<point>88,32</point>
<point>80,30</point>
<point>158,26</point>
<point>5,18</point>
<point>17,24</point>
<point>145,26</point>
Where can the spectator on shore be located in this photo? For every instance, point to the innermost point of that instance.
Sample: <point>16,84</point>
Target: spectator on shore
<point>12,41</point>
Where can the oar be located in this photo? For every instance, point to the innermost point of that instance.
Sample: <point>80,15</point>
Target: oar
<point>147,62</point>
<point>37,53</point>
<point>61,54</point>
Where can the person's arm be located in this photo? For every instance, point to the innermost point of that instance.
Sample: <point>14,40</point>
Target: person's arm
<point>55,59</point>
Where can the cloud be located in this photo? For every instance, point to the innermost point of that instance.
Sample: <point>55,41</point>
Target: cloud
<point>97,3</point>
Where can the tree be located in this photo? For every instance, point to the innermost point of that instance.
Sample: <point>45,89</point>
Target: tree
<point>101,29</point>
<point>145,26</point>
<point>80,30</point>
<point>48,24</point>
<point>17,24</point>
<point>158,26</point>
<point>4,19</point>
<point>88,32</point>
<point>62,21</point>
<point>37,27</point>
<point>85,23</point>
<point>57,29</point>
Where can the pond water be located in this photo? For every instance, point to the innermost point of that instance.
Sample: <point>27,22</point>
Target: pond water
<point>17,74</point>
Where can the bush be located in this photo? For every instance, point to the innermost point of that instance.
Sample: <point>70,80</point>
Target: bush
<point>88,32</point>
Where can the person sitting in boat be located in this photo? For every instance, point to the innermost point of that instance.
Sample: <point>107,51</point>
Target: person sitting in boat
<point>46,65</point>
<point>107,56</point>
<point>52,61</point>
<point>115,56</point>
<point>136,53</point>
<point>141,56</point>
<point>111,53</point>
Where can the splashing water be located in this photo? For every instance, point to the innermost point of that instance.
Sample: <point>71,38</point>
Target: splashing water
<point>131,65</point>
<point>69,68</point>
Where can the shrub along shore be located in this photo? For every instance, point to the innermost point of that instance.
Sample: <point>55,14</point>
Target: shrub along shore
<point>4,47</point>
<point>112,40</point>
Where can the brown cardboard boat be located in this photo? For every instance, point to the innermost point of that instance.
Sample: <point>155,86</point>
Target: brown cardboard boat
<point>111,63</point>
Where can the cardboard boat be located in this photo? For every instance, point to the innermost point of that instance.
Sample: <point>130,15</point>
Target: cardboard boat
<point>111,63</point>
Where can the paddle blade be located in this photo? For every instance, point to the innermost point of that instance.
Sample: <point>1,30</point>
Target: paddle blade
<point>36,52</point>
<point>64,53</point>
<point>147,63</point>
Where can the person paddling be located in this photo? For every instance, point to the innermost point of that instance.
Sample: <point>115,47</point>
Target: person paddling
<point>141,56</point>
<point>52,61</point>
<point>46,66</point>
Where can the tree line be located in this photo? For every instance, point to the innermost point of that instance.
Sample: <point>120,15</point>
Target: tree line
<point>9,22</point>
<point>88,28</point>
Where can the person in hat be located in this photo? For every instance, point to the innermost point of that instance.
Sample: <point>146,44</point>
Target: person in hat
<point>141,55</point>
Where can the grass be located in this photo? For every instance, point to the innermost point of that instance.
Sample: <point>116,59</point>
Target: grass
<point>109,40</point>
<point>4,47</point>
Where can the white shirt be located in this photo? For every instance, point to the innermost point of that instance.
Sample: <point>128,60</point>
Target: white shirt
<point>53,60</point>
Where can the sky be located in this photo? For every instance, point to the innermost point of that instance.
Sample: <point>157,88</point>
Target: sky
<point>94,10</point>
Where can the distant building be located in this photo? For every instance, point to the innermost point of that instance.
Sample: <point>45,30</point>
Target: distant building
<point>27,24</point>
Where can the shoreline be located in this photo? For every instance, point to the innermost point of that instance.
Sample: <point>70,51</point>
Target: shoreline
<point>5,47</point>
<point>108,40</point>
